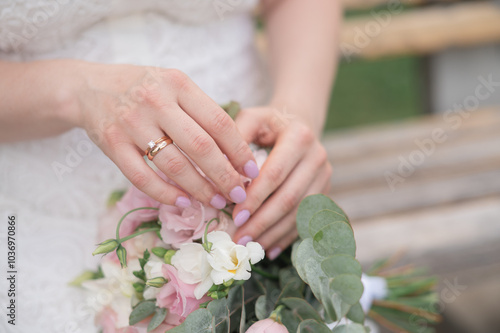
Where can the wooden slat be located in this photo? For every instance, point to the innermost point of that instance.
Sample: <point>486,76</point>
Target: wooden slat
<point>464,167</point>
<point>426,30</point>
<point>366,4</point>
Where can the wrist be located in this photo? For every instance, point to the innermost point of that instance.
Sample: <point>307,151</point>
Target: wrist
<point>309,113</point>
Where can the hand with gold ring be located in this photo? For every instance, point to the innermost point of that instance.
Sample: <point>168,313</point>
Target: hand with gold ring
<point>125,107</point>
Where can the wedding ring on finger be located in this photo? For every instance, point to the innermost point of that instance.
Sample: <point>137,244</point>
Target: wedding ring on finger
<point>154,147</point>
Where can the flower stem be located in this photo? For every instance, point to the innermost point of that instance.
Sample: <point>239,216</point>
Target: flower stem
<point>227,213</point>
<point>124,239</point>
<point>264,273</point>
<point>126,214</point>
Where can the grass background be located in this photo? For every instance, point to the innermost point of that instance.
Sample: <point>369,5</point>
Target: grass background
<point>374,91</point>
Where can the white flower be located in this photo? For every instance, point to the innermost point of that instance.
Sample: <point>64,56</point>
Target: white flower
<point>115,290</point>
<point>152,269</point>
<point>191,261</point>
<point>230,260</point>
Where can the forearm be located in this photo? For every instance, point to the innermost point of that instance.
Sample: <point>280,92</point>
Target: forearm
<point>303,39</point>
<point>36,99</point>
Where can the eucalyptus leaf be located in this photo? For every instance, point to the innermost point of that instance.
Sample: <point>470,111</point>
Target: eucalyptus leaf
<point>290,320</point>
<point>308,207</point>
<point>158,318</point>
<point>312,326</point>
<point>199,321</point>
<point>305,251</point>
<point>301,308</point>
<point>220,314</point>
<point>350,328</point>
<point>335,238</point>
<point>341,264</point>
<point>263,307</point>
<point>314,277</point>
<point>356,314</point>
<point>323,218</point>
<point>143,310</point>
<point>348,286</point>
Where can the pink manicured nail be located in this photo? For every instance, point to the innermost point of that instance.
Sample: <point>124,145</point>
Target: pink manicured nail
<point>241,218</point>
<point>238,194</point>
<point>274,253</point>
<point>251,169</point>
<point>183,202</point>
<point>218,201</point>
<point>244,240</point>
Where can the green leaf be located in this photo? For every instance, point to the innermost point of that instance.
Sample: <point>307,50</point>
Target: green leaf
<point>341,264</point>
<point>350,328</point>
<point>290,320</point>
<point>115,197</point>
<point>263,307</point>
<point>348,286</point>
<point>314,277</point>
<point>335,238</point>
<point>308,207</point>
<point>158,318</point>
<point>200,321</point>
<point>303,252</point>
<point>323,218</point>
<point>301,308</point>
<point>143,310</point>
<point>232,109</point>
<point>312,326</point>
<point>356,314</point>
<point>220,314</point>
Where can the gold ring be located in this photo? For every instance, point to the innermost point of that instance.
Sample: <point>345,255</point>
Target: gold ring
<point>154,147</point>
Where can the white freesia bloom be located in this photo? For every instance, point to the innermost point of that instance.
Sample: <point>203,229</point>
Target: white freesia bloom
<point>230,260</point>
<point>152,269</point>
<point>114,290</point>
<point>191,261</point>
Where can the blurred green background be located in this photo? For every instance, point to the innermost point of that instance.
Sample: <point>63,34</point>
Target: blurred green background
<point>374,91</point>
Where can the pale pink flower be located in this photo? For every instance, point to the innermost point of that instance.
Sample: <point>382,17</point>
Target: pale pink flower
<point>134,198</point>
<point>267,326</point>
<point>177,296</point>
<point>183,225</point>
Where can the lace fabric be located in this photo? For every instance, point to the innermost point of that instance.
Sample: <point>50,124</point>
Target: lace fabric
<point>57,187</point>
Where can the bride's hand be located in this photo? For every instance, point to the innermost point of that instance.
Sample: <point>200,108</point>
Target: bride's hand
<point>296,167</point>
<point>123,107</point>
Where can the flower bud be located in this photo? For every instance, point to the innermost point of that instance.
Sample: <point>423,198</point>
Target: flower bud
<point>159,251</point>
<point>121,252</point>
<point>106,247</point>
<point>168,256</point>
<point>156,282</point>
<point>217,294</point>
<point>138,287</point>
<point>228,283</point>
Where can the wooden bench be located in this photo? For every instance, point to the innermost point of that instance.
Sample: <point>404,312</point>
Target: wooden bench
<point>446,214</point>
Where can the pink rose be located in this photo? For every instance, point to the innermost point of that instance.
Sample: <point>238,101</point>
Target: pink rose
<point>107,321</point>
<point>134,198</point>
<point>267,326</point>
<point>177,296</point>
<point>183,225</point>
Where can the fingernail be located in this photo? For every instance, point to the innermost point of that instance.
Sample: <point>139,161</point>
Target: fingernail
<point>238,194</point>
<point>182,202</point>
<point>218,201</point>
<point>274,253</point>
<point>241,218</point>
<point>251,169</point>
<point>244,240</point>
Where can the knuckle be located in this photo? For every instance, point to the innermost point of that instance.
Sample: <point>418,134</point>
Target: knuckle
<point>221,123</point>
<point>139,179</point>
<point>275,175</point>
<point>166,197</point>
<point>175,166</point>
<point>322,156</point>
<point>202,144</point>
<point>289,200</point>
<point>112,136</point>
<point>242,149</point>
<point>304,134</point>
<point>178,78</point>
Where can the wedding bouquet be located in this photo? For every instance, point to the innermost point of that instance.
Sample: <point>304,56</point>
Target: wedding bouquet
<point>167,268</point>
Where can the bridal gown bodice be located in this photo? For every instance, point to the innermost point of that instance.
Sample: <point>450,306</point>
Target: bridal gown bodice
<point>57,187</point>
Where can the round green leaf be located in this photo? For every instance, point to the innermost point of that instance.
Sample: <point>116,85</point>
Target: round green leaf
<point>301,308</point>
<point>323,218</point>
<point>348,286</point>
<point>143,310</point>
<point>199,321</point>
<point>310,325</point>
<point>304,251</point>
<point>341,264</point>
<point>335,238</point>
<point>350,328</point>
<point>308,207</point>
<point>356,314</point>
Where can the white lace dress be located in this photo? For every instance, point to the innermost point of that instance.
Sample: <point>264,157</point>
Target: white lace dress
<point>57,187</point>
